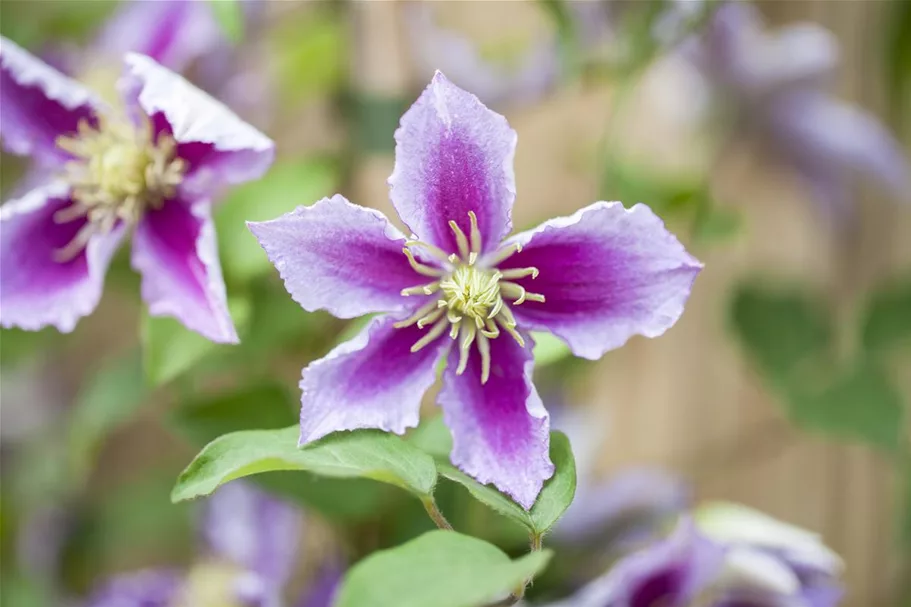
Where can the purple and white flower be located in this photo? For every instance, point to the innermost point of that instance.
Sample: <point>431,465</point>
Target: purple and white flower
<point>731,556</point>
<point>776,85</point>
<point>250,547</point>
<point>153,167</point>
<point>594,279</point>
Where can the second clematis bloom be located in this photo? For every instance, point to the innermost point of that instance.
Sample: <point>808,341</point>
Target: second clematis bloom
<point>457,290</point>
<point>152,166</point>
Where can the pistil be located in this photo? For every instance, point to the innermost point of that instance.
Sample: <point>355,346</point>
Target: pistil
<point>472,295</point>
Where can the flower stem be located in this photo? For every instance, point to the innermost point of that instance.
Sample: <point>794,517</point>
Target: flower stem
<point>434,513</point>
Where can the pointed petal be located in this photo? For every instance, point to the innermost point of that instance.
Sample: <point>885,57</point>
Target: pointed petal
<point>500,429</point>
<point>339,257</point>
<point>814,129</point>
<point>36,290</point>
<point>219,147</point>
<point>670,573</point>
<point>607,273</point>
<point>254,531</point>
<point>372,381</point>
<point>175,250</point>
<point>173,33</point>
<point>452,156</point>
<point>38,104</point>
<point>149,588</point>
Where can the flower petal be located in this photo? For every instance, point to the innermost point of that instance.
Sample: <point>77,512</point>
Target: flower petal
<point>218,146</point>
<point>371,381</point>
<point>670,573</point>
<point>340,257</point>
<point>500,429</point>
<point>323,588</point>
<point>254,531</point>
<point>452,156</point>
<point>38,104</point>
<point>36,290</point>
<point>173,33</point>
<point>175,250</point>
<point>149,588</point>
<point>811,127</point>
<point>607,273</point>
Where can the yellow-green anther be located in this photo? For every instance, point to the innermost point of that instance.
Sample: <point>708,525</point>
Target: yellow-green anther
<point>434,251</point>
<point>430,318</point>
<point>503,254</point>
<point>514,273</point>
<point>513,290</point>
<point>118,171</point>
<point>461,240</point>
<point>510,327</point>
<point>421,268</point>
<point>492,331</point>
<point>422,312</point>
<point>471,295</point>
<point>431,335</point>
<point>476,244</point>
<point>484,351</point>
<point>428,289</point>
<point>469,332</point>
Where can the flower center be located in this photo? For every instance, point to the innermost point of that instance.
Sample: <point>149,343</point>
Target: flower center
<point>471,293</point>
<point>210,584</point>
<point>118,171</point>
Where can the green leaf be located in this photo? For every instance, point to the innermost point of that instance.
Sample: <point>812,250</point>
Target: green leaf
<point>782,331</point>
<point>288,184</point>
<point>109,399</point>
<point>230,17</point>
<point>267,406</point>
<point>438,569</point>
<point>887,318</point>
<point>433,437</point>
<point>170,349</point>
<point>860,404</point>
<point>552,502</point>
<point>360,454</point>
<point>346,500</point>
<point>548,349</point>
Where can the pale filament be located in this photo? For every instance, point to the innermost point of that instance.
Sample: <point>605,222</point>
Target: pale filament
<point>472,295</point>
<point>118,172</point>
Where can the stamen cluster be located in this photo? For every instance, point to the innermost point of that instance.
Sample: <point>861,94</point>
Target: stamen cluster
<point>471,295</point>
<point>119,171</point>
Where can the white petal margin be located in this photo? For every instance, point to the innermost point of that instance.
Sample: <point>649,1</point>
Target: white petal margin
<point>27,71</point>
<point>35,290</point>
<point>736,524</point>
<point>194,116</point>
<point>607,273</point>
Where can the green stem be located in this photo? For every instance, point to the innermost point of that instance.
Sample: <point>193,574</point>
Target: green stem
<point>434,513</point>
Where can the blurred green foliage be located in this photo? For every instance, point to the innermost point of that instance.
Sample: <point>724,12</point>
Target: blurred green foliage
<point>789,335</point>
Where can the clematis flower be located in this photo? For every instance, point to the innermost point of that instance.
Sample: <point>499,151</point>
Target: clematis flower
<point>776,86</point>
<point>671,573</point>
<point>152,167</point>
<point>731,556</point>
<point>249,551</point>
<point>457,291</point>
<point>770,562</point>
